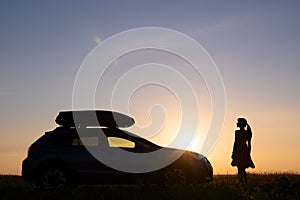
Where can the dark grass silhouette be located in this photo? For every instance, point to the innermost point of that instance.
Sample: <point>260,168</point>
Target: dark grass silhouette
<point>260,186</point>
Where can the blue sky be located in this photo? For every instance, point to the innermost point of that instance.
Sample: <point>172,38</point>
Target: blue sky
<point>255,45</point>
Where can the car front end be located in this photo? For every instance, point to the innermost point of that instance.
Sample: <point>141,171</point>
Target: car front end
<point>199,167</point>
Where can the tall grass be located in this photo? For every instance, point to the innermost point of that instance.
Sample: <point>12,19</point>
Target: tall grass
<point>260,186</point>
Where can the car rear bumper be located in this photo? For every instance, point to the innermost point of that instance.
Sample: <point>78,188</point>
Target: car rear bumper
<point>29,173</point>
<point>25,170</point>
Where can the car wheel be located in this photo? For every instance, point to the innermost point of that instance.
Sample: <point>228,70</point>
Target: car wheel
<point>175,177</point>
<point>53,179</point>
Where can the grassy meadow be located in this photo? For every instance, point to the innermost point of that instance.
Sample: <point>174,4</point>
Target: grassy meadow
<point>260,186</point>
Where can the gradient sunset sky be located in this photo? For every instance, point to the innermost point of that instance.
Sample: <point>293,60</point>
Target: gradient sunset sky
<point>255,44</point>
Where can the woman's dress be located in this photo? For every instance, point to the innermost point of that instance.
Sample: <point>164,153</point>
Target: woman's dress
<point>241,153</point>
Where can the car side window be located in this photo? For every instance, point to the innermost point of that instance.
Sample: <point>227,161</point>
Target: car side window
<point>87,141</point>
<point>59,141</point>
<point>120,142</point>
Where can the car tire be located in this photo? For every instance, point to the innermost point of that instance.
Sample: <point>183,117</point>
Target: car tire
<point>175,177</point>
<point>53,178</point>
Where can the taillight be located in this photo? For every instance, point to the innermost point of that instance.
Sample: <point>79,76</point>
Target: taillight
<point>32,149</point>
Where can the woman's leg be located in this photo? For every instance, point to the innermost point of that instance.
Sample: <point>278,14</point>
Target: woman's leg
<point>244,174</point>
<point>240,174</point>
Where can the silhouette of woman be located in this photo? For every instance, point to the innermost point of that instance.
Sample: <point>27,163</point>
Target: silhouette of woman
<point>242,149</point>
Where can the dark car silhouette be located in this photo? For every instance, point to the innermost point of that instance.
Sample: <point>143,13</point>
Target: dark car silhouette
<point>59,158</point>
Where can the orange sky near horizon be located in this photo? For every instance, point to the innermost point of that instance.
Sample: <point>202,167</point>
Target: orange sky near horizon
<point>269,153</point>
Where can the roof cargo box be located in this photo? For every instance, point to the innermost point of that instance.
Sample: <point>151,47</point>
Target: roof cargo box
<point>86,118</point>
